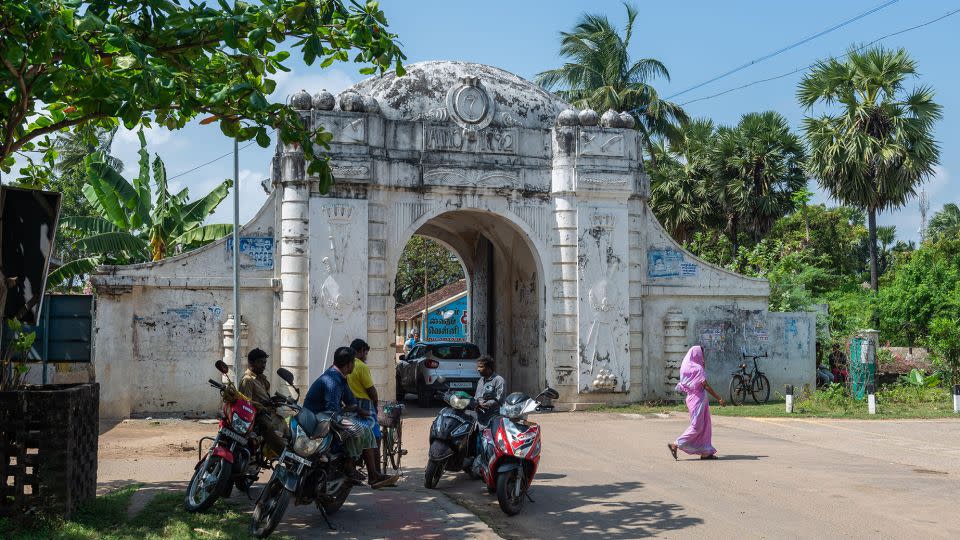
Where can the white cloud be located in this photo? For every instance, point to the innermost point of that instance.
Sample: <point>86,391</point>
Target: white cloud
<point>252,197</point>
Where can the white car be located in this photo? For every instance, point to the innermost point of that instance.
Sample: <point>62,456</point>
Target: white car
<point>418,372</point>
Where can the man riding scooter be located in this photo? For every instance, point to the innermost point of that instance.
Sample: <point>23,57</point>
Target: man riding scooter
<point>490,390</point>
<point>254,384</point>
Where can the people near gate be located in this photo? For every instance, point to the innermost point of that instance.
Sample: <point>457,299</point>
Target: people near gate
<point>331,394</point>
<point>490,390</point>
<point>361,384</point>
<point>824,376</point>
<point>256,386</point>
<point>411,341</point>
<point>698,438</point>
<point>838,364</point>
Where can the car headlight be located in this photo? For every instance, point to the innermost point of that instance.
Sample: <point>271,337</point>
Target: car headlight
<point>458,401</point>
<point>304,446</point>
<point>512,411</point>
<point>239,424</point>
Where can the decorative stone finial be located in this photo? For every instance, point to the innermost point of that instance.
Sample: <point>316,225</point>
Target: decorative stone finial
<point>351,102</point>
<point>589,118</point>
<point>627,121</point>
<point>371,105</point>
<point>323,101</point>
<point>568,117</point>
<point>301,101</point>
<point>610,119</point>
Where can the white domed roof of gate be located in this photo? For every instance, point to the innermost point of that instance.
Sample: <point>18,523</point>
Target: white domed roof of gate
<point>429,90</point>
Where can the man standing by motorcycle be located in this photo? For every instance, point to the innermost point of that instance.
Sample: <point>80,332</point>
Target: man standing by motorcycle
<point>490,390</point>
<point>329,394</point>
<point>256,386</point>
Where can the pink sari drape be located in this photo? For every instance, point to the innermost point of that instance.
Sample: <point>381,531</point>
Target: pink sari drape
<point>697,439</point>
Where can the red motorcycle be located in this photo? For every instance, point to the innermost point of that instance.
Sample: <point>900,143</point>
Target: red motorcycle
<point>510,450</point>
<point>236,454</point>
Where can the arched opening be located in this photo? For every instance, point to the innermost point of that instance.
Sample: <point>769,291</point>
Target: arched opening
<point>505,290</point>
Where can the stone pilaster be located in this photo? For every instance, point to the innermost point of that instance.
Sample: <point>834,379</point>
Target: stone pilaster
<point>294,265</point>
<point>675,345</point>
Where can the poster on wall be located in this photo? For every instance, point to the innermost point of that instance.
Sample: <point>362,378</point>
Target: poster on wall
<point>664,263</point>
<point>449,322</point>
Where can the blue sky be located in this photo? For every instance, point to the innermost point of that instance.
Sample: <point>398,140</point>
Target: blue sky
<point>696,41</point>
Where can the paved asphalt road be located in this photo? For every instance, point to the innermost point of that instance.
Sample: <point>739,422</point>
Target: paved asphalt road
<point>611,476</point>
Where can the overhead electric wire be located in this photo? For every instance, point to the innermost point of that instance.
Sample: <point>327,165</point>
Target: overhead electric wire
<point>214,160</point>
<point>802,68</point>
<point>787,48</point>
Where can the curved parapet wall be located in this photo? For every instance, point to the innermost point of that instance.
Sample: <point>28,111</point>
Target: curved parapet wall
<point>159,325</point>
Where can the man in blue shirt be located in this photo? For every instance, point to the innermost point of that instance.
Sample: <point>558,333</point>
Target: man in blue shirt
<point>329,394</point>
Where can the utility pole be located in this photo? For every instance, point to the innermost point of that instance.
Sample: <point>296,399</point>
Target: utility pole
<point>237,328</point>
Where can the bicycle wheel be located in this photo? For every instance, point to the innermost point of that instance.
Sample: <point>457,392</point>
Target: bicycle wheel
<point>738,390</point>
<point>760,389</point>
<point>396,450</point>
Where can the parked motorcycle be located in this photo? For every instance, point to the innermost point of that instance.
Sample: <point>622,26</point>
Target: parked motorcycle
<point>308,470</point>
<point>236,454</point>
<point>510,450</point>
<point>452,438</point>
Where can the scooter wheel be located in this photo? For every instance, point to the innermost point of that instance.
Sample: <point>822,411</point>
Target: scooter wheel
<point>507,481</point>
<point>432,474</point>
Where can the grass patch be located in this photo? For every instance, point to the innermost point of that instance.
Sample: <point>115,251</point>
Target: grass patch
<point>105,517</point>
<point>893,402</point>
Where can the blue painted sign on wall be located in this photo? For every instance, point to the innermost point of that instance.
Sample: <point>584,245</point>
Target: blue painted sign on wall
<point>256,252</point>
<point>449,322</point>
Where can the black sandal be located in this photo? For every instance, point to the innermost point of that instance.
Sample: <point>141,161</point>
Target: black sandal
<point>673,450</point>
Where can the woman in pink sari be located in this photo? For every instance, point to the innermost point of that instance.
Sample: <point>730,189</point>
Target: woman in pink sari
<point>696,439</point>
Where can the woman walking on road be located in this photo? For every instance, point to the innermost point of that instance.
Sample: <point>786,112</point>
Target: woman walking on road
<point>697,439</point>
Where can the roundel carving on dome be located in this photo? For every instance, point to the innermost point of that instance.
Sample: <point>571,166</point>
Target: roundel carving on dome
<point>470,105</point>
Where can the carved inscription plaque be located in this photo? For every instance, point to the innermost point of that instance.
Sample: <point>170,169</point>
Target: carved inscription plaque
<point>452,138</point>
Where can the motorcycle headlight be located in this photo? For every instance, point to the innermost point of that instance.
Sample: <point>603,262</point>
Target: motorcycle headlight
<point>239,424</point>
<point>458,401</point>
<point>305,446</point>
<point>512,411</point>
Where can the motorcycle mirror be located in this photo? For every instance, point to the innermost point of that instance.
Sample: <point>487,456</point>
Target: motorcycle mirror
<point>551,393</point>
<point>222,367</point>
<point>403,357</point>
<point>285,374</point>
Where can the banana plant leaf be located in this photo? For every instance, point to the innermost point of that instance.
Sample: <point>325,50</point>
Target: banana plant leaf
<point>204,234</point>
<point>109,193</point>
<point>88,224</point>
<point>141,184</point>
<point>193,214</point>
<point>73,269</point>
<point>114,243</point>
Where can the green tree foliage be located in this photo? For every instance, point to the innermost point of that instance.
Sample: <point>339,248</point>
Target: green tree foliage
<point>600,74</point>
<point>944,340</point>
<point>135,222</point>
<point>423,256</point>
<point>679,174</point>
<point>922,286</point>
<point>878,145</point>
<point>143,62</point>
<point>945,223</point>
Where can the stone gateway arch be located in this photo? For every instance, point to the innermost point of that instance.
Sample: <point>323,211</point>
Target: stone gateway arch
<point>572,280</point>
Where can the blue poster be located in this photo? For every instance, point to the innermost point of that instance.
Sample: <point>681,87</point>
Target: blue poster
<point>663,263</point>
<point>449,322</point>
<point>256,252</point>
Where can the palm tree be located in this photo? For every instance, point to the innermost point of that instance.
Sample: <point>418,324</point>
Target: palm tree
<point>600,75</point>
<point>679,174</point>
<point>945,223</point>
<point>886,236</point>
<point>135,223</point>
<point>759,166</point>
<point>878,147</point>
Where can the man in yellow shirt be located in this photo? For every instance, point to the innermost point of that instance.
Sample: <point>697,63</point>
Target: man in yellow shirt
<point>361,384</point>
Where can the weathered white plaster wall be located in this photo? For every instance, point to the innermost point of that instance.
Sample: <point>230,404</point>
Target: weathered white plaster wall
<point>158,327</point>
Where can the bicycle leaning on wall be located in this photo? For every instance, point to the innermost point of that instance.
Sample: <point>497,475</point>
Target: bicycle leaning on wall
<point>753,382</point>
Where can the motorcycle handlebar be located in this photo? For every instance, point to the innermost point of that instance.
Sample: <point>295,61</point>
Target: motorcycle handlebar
<point>217,385</point>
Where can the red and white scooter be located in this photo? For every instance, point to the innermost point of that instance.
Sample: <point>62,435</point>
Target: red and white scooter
<point>510,449</point>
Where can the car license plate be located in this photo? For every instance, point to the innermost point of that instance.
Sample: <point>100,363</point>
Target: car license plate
<point>286,454</point>
<point>461,385</point>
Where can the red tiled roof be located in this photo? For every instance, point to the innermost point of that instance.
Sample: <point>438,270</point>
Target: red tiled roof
<point>409,311</point>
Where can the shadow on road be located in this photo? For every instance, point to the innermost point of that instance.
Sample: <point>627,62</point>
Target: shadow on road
<point>569,512</point>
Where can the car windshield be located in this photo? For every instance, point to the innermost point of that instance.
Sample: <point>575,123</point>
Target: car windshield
<point>466,351</point>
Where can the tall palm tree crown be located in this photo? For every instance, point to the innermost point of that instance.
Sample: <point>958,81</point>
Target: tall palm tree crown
<point>600,75</point>
<point>945,223</point>
<point>876,145</point>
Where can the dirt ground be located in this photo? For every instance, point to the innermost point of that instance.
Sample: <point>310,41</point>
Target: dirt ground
<point>611,476</point>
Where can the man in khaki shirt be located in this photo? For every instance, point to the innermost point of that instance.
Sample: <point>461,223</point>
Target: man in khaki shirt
<point>256,386</point>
